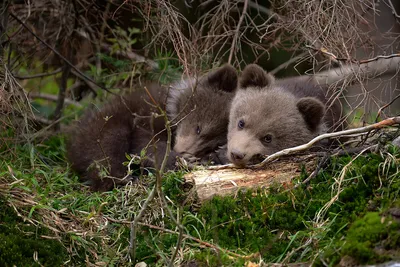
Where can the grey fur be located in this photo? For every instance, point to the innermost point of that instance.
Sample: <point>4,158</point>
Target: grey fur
<point>276,115</point>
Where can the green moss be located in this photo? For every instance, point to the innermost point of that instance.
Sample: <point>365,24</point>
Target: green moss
<point>21,242</point>
<point>369,233</point>
<point>174,187</point>
<point>209,257</point>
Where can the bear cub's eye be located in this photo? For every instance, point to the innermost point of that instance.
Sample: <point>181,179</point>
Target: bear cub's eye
<point>267,138</point>
<point>198,130</point>
<point>241,124</point>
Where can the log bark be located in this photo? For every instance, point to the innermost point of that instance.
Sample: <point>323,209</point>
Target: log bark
<point>209,183</point>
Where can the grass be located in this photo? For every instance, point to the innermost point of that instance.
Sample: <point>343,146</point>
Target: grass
<point>48,217</point>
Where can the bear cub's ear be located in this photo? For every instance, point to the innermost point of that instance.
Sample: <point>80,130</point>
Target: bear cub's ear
<point>254,76</point>
<point>312,111</point>
<point>225,78</point>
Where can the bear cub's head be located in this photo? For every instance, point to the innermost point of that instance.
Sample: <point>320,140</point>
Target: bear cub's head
<point>200,107</point>
<point>265,119</point>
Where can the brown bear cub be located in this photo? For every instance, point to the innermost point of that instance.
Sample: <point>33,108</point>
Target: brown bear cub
<point>97,145</point>
<point>269,115</point>
<point>201,108</point>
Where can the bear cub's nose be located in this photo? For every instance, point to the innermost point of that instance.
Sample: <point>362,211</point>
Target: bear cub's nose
<point>237,155</point>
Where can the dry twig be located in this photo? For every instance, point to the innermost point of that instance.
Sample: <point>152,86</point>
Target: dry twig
<point>157,189</point>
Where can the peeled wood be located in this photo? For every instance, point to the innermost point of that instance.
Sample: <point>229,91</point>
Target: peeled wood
<point>209,183</point>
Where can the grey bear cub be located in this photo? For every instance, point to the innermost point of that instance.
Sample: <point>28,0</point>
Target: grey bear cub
<point>125,125</point>
<point>269,115</point>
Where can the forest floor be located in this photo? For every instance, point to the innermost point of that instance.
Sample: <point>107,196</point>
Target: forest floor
<point>347,215</point>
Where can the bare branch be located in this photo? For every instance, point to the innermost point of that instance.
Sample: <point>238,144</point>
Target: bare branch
<point>50,97</point>
<point>133,239</point>
<point>39,75</point>
<point>386,106</point>
<point>264,10</point>
<point>131,55</point>
<point>287,63</point>
<point>235,38</point>
<point>390,4</point>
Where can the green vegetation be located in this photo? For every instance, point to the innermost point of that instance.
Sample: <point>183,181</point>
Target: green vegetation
<point>47,214</point>
<point>22,242</point>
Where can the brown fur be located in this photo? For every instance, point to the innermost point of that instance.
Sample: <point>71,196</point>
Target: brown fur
<point>274,115</point>
<point>101,138</point>
<point>202,109</point>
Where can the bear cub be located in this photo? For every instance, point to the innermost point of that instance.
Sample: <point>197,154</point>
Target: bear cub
<point>201,109</point>
<point>269,115</point>
<point>98,143</point>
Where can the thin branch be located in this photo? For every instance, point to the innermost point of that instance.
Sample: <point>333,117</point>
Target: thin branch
<point>42,120</point>
<point>327,53</point>
<point>235,38</point>
<point>58,54</point>
<point>90,84</point>
<point>39,75</point>
<point>62,90</point>
<point>132,56</point>
<point>132,240</point>
<point>159,174</point>
<point>338,181</point>
<point>287,63</point>
<point>361,61</point>
<point>390,4</point>
<point>321,164</point>
<point>325,160</point>
<point>157,188</point>
<point>378,57</point>
<point>264,10</point>
<point>385,106</point>
<point>51,97</point>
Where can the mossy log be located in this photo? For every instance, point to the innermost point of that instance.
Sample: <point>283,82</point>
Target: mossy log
<point>208,183</point>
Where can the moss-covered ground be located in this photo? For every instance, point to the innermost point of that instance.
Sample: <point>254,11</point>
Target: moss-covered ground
<point>347,213</point>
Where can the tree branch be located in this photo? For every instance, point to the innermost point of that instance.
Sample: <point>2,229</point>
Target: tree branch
<point>50,97</point>
<point>3,25</point>
<point>287,63</point>
<point>237,31</point>
<point>39,75</point>
<point>369,68</point>
<point>392,7</point>
<point>132,56</point>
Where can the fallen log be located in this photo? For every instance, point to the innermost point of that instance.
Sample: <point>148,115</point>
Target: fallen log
<point>208,183</point>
